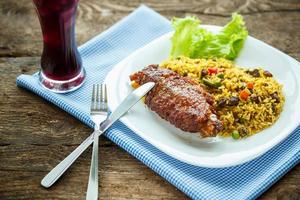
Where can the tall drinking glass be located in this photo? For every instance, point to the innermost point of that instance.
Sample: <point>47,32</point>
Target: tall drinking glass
<point>61,66</point>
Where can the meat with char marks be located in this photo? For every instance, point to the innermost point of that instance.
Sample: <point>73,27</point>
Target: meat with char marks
<point>179,100</point>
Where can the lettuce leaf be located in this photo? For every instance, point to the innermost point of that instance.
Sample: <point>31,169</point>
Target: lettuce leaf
<point>192,41</point>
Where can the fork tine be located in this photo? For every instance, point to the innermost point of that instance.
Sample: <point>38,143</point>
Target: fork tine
<point>104,98</point>
<point>93,98</point>
<point>101,100</point>
<point>98,97</point>
<point>105,94</point>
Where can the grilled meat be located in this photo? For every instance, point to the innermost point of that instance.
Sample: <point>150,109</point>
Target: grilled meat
<point>179,100</point>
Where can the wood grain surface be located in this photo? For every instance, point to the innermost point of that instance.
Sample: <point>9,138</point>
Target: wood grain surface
<point>35,135</point>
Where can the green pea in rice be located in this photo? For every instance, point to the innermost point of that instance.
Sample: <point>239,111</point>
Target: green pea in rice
<point>250,115</point>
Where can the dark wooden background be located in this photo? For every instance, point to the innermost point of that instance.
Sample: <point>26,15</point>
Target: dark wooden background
<point>35,135</point>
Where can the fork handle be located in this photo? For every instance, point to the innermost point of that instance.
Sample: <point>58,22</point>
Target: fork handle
<point>92,190</point>
<point>57,171</point>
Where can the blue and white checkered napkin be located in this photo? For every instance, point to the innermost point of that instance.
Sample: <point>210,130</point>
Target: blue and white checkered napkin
<point>100,54</point>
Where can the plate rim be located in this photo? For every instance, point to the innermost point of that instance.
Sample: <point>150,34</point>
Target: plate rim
<point>254,153</point>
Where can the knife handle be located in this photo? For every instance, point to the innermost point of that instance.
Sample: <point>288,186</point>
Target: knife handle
<point>57,171</point>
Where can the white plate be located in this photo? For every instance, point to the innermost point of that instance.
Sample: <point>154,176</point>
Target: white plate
<point>188,147</point>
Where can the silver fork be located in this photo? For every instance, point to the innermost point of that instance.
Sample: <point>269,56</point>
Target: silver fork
<point>98,115</point>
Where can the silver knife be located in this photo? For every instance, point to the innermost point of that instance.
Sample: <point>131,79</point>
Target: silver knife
<point>124,106</point>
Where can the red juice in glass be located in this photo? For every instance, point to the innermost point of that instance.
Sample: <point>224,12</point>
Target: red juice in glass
<point>61,66</point>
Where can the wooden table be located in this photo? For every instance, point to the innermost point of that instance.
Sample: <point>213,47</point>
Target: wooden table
<point>35,135</point>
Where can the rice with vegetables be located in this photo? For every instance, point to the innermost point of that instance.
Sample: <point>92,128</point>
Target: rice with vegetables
<point>247,100</point>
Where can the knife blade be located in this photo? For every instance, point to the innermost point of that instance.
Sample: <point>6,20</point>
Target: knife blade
<point>124,106</point>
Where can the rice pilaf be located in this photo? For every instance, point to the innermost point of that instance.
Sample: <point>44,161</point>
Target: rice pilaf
<point>247,100</point>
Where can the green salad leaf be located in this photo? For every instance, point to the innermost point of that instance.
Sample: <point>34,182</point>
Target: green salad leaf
<point>193,41</point>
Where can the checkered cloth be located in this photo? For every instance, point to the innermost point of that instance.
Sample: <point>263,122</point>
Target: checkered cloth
<point>100,54</point>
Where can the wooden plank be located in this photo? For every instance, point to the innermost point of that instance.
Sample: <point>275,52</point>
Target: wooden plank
<point>25,185</point>
<point>45,157</point>
<point>121,176</point>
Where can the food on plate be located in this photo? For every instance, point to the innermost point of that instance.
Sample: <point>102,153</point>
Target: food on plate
<point>246,100</point>
<point>193,41</point>
<point>179,100</point>
<point>200,89</point>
